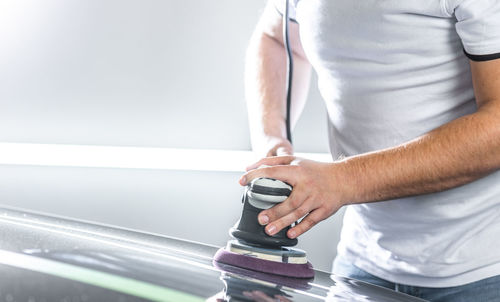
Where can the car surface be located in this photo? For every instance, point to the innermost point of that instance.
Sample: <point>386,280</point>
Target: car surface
<point>45,258</point>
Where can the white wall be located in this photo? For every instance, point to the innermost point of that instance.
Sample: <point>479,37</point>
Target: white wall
<point>136,73</point>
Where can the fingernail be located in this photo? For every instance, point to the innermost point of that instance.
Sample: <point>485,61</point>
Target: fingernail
<point>263,219</point>
<point>271,229</point>
<point>291,234</point>
<point>243,180</point>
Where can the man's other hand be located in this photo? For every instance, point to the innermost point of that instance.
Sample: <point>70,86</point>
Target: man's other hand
<point>278,146</point>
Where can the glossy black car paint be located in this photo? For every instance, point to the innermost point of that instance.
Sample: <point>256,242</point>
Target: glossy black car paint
<point>77,261</point>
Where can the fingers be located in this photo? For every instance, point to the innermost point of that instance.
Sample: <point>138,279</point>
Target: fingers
<point>281,209</point>
<point>307,223</point>
<point>272,161</point>
<point>286,213</point>
<point>283,173</point>
<point>276,226</point>
<point>283,217</point>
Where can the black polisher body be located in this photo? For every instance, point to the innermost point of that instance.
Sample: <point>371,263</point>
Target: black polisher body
<point>248,229</point>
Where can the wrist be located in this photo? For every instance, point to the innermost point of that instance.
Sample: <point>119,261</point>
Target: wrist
<point>280,148</point>
<point>269,145</point>
<point>344,182</point>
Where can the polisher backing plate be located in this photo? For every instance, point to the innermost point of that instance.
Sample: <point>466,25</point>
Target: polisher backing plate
<point>284,255</point>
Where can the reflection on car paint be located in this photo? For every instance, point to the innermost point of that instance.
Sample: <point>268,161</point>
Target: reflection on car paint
<point>159,261</point>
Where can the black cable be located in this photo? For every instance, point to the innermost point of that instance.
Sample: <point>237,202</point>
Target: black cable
<point>289,79</point>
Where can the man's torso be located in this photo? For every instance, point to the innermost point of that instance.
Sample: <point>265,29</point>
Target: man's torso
<point>390,71</point>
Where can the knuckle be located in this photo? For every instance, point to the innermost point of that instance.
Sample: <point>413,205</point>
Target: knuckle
<point>276,212</point>
<point>267,171</point>
<point>320,214</point>
<point>308,223</point>
<point>249,175</point>
<point>271,170</point>
<point>271,213</point>
<point>294,202</point>
<point>302,228</point>
<point>282,223</point>
<point>327,209</point>
<point>301,212</point>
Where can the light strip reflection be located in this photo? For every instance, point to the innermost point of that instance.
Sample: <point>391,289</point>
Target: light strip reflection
<point>132,157</point>
<point>111,243</point>
<point>113,282</point>
<point>51,226</point>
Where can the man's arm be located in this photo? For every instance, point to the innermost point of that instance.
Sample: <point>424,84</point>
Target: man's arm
<point>452,155</point>
<point>265,77</point>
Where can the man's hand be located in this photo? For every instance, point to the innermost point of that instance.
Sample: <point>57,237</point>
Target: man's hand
<point>318,192</point>
<point>278,146</point>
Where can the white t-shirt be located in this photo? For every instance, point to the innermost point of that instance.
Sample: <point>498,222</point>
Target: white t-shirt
<point>390,71</point>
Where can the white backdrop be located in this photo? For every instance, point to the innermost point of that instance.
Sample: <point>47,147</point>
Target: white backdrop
<point>145,73</point>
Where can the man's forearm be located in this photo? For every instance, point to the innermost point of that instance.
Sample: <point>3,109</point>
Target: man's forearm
<point>265,78</point>
<point>264,87</point>
<point>449,156</point>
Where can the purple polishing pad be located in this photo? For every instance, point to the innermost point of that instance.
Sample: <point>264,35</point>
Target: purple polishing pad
<point>278,268</point>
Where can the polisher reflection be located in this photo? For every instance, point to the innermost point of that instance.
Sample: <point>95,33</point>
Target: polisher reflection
<point>247,285</point>
<point>238,289</point>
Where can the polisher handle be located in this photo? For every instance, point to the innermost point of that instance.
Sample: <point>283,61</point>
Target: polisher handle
<point>264,192</point>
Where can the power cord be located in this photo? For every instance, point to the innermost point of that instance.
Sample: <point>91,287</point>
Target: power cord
<point>289,79</point>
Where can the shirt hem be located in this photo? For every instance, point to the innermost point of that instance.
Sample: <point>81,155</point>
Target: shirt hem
<point>481,58</point>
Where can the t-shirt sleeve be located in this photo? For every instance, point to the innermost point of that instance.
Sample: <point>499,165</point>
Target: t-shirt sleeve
<point>280,6</point>
<point>478,25</point>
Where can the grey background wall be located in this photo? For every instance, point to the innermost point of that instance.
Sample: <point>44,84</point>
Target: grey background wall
<point>136,73</point>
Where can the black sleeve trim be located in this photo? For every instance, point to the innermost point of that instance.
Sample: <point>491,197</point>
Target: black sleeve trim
<point>279,12</point>
<point>481,58</point>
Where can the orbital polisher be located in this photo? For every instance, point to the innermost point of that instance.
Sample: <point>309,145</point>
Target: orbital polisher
<point>252,248</point>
